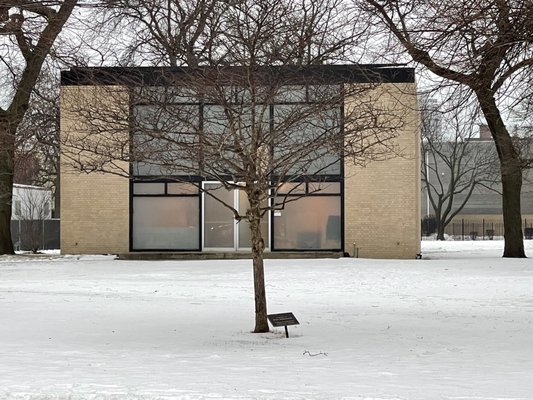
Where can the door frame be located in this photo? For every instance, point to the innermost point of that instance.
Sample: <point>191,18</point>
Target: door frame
<point>236,224</point>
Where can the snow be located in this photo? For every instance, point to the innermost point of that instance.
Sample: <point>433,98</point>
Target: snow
<point>457,324</point>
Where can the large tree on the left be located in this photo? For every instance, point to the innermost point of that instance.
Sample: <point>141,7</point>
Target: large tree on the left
<point>28,31</point>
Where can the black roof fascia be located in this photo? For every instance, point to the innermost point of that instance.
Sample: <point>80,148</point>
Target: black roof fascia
<point>318,74</point>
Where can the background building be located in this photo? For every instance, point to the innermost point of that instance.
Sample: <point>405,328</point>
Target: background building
<point>481,216</point>
<point>31,202</point>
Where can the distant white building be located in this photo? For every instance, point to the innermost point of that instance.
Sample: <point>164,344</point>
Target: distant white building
<point>31,203</point>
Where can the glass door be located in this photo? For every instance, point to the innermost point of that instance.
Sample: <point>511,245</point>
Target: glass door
<point>221,230</point>
<point>219,223</point>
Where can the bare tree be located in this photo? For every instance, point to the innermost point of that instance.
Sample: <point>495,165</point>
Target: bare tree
<point>454,161</point>
<point>209,32</point>
<point>169,32</point>
<point>38,135</point>
<point>27,167</point>
<point>37,142</point>
<point>272,124</point>
<point>487,47</point>
<point>28,30</point>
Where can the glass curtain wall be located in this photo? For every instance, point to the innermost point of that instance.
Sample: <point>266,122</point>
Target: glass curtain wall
<point>166,148</point>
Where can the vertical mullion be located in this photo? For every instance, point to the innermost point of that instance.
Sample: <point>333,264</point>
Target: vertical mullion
<point>236,228</point>
<point>202,221</point>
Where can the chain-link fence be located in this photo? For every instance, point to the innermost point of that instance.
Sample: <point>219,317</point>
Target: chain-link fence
<point>34,235</point>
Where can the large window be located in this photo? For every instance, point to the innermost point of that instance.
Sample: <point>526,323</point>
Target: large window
<point>166,132</point>
<point>178,133</point>
<point>165,216</point>
<point>295,126</point>
<point>308,217</point>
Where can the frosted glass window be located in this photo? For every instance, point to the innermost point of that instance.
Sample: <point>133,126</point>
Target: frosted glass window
<point>169,223</point>
<point>292,188</point>
<point>149,188</point>
<point>325,187</point>
<point>309,223</point>
<point>182,188</point>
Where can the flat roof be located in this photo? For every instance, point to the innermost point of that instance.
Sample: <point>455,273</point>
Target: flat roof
<point>313,74</point>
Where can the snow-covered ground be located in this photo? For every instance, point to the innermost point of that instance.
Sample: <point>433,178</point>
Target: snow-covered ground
<point>457,324</point>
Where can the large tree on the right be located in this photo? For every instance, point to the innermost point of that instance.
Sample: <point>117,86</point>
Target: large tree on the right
<point>486,45</point>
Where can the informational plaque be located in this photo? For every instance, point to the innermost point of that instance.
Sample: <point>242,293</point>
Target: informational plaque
<point>283,319</point>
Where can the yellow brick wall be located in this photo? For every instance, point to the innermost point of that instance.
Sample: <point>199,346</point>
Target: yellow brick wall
<point>382,198</point>
<point>94,206</point>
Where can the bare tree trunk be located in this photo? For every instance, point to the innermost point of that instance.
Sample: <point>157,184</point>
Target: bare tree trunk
<point>6,246</point>
<point>258,246</point>
<point>11,118</point>
<point>6,191</point>
<point>440,230</point>
<point>7,153</point>
<point>511,176</point>
<point>512,216</point>
<point>439,219</point>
